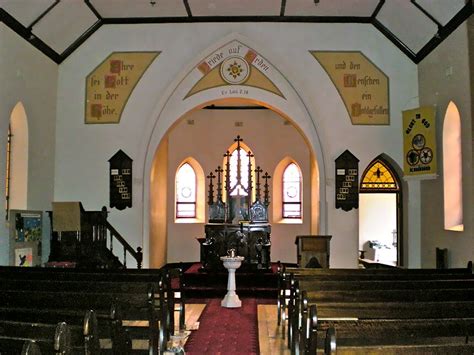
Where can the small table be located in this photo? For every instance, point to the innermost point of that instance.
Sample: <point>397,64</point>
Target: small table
<point>231,263</point>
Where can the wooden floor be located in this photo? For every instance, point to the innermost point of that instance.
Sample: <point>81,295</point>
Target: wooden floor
<point>270,335</point>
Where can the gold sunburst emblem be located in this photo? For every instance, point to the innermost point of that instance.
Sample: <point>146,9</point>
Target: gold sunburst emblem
<point>234,69</point>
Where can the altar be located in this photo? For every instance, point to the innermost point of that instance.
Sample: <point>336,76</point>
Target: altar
<point>238,214</point>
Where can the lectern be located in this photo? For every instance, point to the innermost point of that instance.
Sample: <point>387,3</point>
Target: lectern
<point>313,246</point>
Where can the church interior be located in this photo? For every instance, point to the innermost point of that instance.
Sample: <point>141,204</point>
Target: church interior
<point>297,173</point>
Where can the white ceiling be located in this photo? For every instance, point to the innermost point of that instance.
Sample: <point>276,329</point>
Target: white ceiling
<point>59,26</point>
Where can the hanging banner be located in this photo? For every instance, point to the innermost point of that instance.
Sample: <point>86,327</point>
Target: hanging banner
<point>109,86</point>
<point>419,142</point>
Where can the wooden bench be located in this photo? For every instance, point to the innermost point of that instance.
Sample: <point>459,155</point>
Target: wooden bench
<point>141,295</point>
<point>44,338</point>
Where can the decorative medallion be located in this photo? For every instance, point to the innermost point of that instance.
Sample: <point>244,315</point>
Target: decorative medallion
<point>235,70</point>
<point>231,65</point>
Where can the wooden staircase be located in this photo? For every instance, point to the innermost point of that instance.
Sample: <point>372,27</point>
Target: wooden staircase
<point>93,246</point>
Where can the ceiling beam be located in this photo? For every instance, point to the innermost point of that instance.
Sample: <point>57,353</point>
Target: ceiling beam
<point>394,39</point>
<point>445,31</point>
<point>22,31</point>
<point>426,13</point>
<point>43,14</point>
<point>219,19</point>
<point>283,8</point>
<point>188,8</point>
<point>378,8</point>
<point>93,9</point>
<point>90,31</point>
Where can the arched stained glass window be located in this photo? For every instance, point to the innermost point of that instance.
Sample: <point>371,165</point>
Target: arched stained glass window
<point>186,192</point>
<point>291,192</point>
<point>378,177</point>
<point>239,175</point>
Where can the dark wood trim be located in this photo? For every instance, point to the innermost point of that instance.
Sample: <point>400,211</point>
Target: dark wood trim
<point>219,19</point>
<point>378,8</point>
<point>80,40</point>
<point>445,31</point>
<point>43,14</point>
<point>394,39</point>
<point>188,8</point>
<point>283,8</point>
<point>93,9</point>
<point>426,13</point>
<point>22,31</point>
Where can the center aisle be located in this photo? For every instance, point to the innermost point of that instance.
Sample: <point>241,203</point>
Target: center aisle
<point>226,330</point>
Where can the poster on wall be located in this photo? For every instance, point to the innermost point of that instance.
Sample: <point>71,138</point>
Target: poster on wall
<point>25,237</point>
<point>120,175</point>
<point>419,142</point>
<point>363,87</point>
<point>109,85</point>
<point>347,181</point>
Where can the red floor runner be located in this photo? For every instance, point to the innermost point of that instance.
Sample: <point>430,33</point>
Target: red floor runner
<point>226,330</point>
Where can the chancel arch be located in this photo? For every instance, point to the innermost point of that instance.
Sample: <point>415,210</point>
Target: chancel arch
<point>173,107</point>
<point>381,213</point>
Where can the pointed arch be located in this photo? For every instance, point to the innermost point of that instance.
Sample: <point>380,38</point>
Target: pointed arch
<point>172,106</point>
<point>452,169</point>
<point>289,166</point>
<point>291,192</point>
<point>381,211</point>
<point>244,161</point>
<point>189,192</point>
<point>18,159</point>
<point>379,177</point>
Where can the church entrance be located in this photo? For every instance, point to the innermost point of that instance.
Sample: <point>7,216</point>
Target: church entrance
<point>380,214</point>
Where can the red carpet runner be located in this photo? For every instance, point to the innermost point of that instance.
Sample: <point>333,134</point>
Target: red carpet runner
<point>226,330</point>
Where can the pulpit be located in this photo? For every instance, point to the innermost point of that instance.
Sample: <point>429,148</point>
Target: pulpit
<point>313,250</point>
<point>238,216</point>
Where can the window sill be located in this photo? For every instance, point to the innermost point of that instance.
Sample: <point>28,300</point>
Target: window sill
<point>188,220</point>
<point>290,221</point>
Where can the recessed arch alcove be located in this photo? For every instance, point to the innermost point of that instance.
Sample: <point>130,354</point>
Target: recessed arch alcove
<point>173,106</point>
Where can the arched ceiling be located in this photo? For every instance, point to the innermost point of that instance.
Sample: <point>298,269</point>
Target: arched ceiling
<point>58,27</point>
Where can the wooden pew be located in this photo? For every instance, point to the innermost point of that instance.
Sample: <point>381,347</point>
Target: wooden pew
<point>43,338</point>
<point>372,294</point>
<point>133,290</point>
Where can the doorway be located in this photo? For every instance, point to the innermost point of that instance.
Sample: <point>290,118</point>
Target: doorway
<point>380,214</point>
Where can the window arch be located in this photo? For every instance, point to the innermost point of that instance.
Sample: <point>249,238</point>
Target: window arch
<point>291,192</point>
<point>452,169</point>
<point>378,177</point>
<point>239,188</point>
<point>186,188</point>
<point>17,160</point>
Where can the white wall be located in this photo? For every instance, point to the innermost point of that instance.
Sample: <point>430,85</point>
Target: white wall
<point>28,76</point>
<point>437,88</point>
<point>212,133</point>
<point>82,150</point>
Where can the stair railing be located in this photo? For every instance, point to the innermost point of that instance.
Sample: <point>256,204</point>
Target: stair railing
<point>104,234</point>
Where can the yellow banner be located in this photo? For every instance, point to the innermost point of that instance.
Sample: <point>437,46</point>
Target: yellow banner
<point>362,86</point>
<point>419,141</point>
<point>109,86</point>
